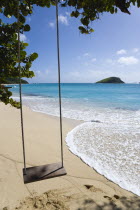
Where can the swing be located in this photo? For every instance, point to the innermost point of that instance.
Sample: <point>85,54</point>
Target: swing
<point>37,173</point>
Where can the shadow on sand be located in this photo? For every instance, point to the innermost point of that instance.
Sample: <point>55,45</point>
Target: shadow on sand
<point>124,203</point>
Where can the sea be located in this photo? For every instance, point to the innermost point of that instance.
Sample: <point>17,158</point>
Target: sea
<point>108,139</point>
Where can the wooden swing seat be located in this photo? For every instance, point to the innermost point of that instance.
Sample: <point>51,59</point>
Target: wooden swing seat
<point>39,173</point>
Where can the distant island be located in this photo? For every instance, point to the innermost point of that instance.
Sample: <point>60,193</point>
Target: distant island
<point>111,80</point>
<point>15,81</point>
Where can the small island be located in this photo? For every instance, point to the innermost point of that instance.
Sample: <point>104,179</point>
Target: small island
<point>111,80</point>
<point>15,81</point>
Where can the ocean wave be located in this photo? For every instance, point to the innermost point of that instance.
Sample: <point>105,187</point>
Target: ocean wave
<point>127,108</point>
<point>108,141</point>
<point>111,151</point>
<point>82,111</point>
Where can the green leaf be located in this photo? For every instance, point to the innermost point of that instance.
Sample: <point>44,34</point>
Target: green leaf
<point>22,19</point>
<point>85,21</point>
<point>25,44</point>
<point>33,56</point>
<point>75,14</point>
<point>27,27</point>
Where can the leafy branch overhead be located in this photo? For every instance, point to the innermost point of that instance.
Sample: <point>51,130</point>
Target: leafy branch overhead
<point>86,10</point>
<point>90,10</point>
<point>9,49</point>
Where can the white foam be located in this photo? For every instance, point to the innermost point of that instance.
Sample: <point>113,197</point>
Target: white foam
<point>81,111</point>
<point>112,147</point>
<point>111,151</point>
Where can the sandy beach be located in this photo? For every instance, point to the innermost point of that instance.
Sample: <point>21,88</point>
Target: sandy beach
<point>82,188</point>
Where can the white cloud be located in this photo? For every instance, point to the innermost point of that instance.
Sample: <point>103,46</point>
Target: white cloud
<point>86,75</point>
<point>23,38</point>
<point>67,13</point>
<point>63,19</point>
<point>121,52</point>
<point>52,24</point>
<point>86,55</point>
<point>110,61</point>
<point>29,19</point>
<point>41,76</point>
<point>135,50</point>
<point>128,60</point>
<point>37,72</point>
<point>41,73</point>
<point>93,59</point>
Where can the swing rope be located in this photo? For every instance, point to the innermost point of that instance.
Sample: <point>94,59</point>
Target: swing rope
<point>20,86</point>
<point>59,83</point>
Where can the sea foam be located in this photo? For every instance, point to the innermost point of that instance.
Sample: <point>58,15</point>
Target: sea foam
<point>110,143</point>
<point>110,150</point>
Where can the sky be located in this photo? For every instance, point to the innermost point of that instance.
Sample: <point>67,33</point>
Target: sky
<point>113,49</point>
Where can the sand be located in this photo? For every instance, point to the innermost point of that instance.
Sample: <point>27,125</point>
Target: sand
<point>82,188</point>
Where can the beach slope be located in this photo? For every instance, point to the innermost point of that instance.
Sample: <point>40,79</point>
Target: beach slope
<point>81,188</point>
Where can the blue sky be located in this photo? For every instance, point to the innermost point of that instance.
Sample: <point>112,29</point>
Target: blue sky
<point>112,50</point>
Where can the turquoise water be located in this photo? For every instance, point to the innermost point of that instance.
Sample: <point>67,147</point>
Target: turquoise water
<point>109,138</point>
<point>119,96</point>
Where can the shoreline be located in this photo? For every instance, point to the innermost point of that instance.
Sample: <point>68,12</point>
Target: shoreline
<point>76,123</point>
<point>42,145</point>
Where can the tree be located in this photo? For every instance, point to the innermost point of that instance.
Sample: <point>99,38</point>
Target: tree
<point>9,49</point>
<point>86,10</point>
<point>90,10</point>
